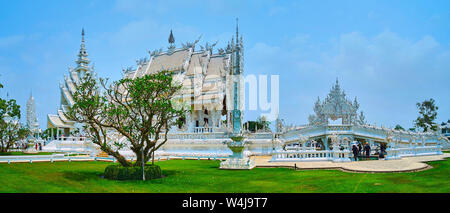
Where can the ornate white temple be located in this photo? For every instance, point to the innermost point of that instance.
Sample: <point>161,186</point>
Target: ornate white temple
<point>212,83</point>
<point>63,125</point>
<point>212,86</point>
<point>321,140</point>
<point>336,106</point>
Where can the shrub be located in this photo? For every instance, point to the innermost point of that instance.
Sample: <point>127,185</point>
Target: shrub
<point>237,138</point>
<point>118,172</point>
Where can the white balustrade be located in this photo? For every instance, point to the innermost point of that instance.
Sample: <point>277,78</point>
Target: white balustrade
<point>397,153</point>
<point>311,155</point>
<point>203,129</point>
<point>238,163</point>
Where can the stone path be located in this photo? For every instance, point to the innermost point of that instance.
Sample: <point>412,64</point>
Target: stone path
<point>406,164</point>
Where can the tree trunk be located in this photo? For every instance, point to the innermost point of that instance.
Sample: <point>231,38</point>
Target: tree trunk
<point>2,149</point>
<point>121,159</point>
<point>153,156</point>
<point>138,158</point>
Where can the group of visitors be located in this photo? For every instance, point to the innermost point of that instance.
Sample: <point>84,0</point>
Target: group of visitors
<point>358,150</point>
<point>38,146</point>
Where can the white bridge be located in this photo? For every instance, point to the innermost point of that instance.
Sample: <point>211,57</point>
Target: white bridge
<point>340,137</point>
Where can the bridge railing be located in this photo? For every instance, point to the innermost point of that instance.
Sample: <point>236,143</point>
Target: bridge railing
<point>208,135</point>
<point>311,155</point>
<point>397,153</point>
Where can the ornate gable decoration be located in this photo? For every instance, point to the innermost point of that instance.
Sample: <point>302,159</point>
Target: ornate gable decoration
<point>336,106</point>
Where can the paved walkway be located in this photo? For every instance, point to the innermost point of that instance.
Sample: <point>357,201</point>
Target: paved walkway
<point>406,164</point>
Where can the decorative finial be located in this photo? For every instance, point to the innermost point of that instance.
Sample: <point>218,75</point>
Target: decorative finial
<point>82,34</point>
<point>237,30</point>
<point>171,38</point>
<point>82,60</point>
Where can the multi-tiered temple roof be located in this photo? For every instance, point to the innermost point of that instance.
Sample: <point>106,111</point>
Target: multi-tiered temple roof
<point>336,106</point>
<point>207,77</point>
<point>197,68</point>
<point>67,88</point>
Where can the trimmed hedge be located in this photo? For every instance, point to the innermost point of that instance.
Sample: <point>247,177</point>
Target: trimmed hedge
<point>118,172</point>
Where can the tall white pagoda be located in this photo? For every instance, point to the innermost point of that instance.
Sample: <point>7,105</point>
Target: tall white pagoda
<point>63,125</point>
<point>32,122</point>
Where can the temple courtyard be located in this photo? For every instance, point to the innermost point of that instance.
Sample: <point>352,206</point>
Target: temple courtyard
<point>404,175</point>
<point>409,164</point>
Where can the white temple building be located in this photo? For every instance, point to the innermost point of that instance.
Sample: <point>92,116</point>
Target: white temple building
<point>63,125</point>
<point>213,87</point>
<point>212,82</point>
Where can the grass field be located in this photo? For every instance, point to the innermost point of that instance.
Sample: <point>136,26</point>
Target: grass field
<point>204,176</point>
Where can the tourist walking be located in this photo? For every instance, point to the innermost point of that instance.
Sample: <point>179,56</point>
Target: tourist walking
<point>355,152</point>
<point>359,149</point>
<point>382,148</point>
<point>367,150</point>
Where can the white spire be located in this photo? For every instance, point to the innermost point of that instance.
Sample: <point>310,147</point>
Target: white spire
<point>31,114</point>
<point>82,60</point>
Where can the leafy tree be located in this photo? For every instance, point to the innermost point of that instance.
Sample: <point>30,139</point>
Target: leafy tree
<point>11,130</point>
<point>427,115</point>
<point>48,132</point>
<point>398,127</point>
<point>10,133</point>
<point>263,122</point>
<point>142,110</point>
<point>260,123</point>
<point>252,125</point>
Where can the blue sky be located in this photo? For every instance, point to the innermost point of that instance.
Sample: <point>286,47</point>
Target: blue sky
<point>389,54</point>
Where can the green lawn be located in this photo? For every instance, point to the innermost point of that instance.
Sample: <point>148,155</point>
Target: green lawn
<point>204,176</point>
